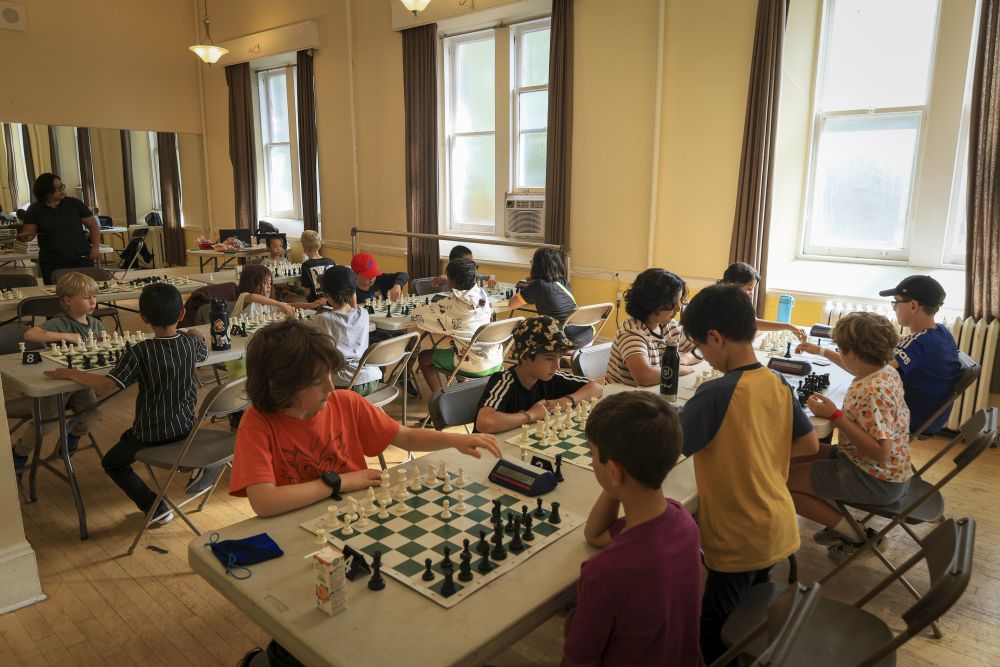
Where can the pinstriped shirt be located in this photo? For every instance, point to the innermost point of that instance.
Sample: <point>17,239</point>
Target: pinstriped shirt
<point>168,393</point>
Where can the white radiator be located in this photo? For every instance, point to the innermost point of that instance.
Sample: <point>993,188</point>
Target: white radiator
<point>977,338</point>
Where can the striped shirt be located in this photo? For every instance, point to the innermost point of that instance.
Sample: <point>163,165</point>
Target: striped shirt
<point>168,393</point>
<point>633,338</point>
<point>505,393</point>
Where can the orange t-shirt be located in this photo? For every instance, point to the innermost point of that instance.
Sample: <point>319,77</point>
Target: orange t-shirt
<point>275,448</point>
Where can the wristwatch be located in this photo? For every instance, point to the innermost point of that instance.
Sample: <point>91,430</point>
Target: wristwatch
<point>333,480</point>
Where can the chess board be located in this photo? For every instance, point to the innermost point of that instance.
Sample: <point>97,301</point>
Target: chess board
<point>415,531</point>
<point>572,445</point>
<point>113,287</point>
<point>402,308</point>
<point>253,323</point>
<point>109,352</point>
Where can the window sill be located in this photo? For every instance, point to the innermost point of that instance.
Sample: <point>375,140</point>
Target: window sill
<point>840,280</point>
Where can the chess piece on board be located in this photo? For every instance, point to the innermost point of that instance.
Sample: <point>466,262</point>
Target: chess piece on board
<point>376,583</point>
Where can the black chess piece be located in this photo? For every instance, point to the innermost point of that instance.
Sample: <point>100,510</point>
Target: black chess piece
<point>496,510</point>
<point>482,546</point>
<point>516,545</point>
<point>428,574</point>
<point>539,512</point>
<point>559,475</point>
<point>484,563</point>
<point>101,361</point>
<point>465,567</point>
<point>498,552</point>
<point>376,583</point>
<point>554,516</point>
<point>527,535</point>
<point>788,351</point>
<point>69,361</point>
<point>447,564</point>
<point>87,365</point>
<point>510,523</point>
<point>465,547</point>
<point>524,514</point>
<point>448,587</point>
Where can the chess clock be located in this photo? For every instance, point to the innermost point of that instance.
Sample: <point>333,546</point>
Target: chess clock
<point>791,366</point>
<point>528,480</point>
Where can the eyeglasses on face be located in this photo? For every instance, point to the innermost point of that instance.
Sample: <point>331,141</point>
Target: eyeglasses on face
<point>895,303</point>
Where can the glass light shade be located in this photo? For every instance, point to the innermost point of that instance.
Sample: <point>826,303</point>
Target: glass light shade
<point>209,53</point>
<point>416,6</point>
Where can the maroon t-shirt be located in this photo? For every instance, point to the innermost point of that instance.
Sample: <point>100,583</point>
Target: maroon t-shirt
<point>639,599</point>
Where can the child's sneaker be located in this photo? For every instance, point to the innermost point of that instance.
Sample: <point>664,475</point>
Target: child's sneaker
<point>838,553</point>
<point>162,516</point>
<point>20,463</point>
<point>827,537</point>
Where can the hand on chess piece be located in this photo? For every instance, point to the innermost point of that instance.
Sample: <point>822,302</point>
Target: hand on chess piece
<point>799,333</point>
<point>491,282</point>
<point>538,411</point>
<point>286,308</point>
<point>73,338</point>
<point>471,444</point>
<point>811,348</point>
<point>821,406</point>
<point>396,293</point>
<point>194,333</point>
<point>360,479</point>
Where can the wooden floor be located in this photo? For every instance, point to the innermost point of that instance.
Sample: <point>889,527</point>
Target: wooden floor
<point>104,608</point>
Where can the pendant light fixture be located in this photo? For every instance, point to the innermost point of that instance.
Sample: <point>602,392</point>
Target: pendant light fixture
<point>209,53</point>
<point>415,6</point>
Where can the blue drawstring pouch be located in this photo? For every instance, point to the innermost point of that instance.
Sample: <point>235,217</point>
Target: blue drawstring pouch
<point>236,555</point>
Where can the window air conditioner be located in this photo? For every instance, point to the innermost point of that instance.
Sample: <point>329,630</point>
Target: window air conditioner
<point>524,216</point>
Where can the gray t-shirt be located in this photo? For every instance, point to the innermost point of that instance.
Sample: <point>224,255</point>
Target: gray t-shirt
<point>63,323</point>
<point>349,330</point>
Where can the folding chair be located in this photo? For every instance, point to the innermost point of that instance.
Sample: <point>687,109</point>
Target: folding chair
<point>592,361</point>
<point>457,405</point>
<point>17,280</point>
<point>594,316</point>
<point>841,634</point>
<point>38,306</point>
<point>492,333</point>
<point>423,286</point>
<point>923,502</point>
<point>100,275</point>
<point>968,376</point>
<point>203,448</point>
<point>238,306</point>
<point>786,618</point>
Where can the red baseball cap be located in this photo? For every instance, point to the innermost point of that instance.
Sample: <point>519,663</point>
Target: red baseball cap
<point>364,265</point>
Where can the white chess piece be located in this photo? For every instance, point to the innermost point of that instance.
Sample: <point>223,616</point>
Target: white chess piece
<point>363,519</point>
<point>524,453</point>
<point>446,511</point>
<point>21,347</point>
<point>55,349</point>
<point>431,478</point>
<point>447,488</point>
<point>460,506</point>
<point>382,503</point>
<point>442,471</point>
<point>416,486</point>
<point>525,438</point>
<point>347,530</point>
<point>320,540</point>
<point>385,479</point>
<point>332,518</point>
<point>460,479</point>
<point>370,502</point>
<point>402,476</point>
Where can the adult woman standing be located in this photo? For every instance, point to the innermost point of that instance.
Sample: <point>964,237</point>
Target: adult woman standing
<point>59,222</point>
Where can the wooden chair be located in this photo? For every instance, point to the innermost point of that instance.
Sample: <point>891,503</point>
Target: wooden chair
<point>457,405</point>
<point>841,634</point>
<point>592,361</point>
<point>203,448</point>
<point>100,275</point>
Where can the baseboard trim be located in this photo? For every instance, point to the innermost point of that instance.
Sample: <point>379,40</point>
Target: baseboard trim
<point>19,583</point>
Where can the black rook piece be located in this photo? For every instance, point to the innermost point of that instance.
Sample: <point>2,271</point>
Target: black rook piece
<point>376,583</point>
<point>448,587</point>
<point>554,517</point>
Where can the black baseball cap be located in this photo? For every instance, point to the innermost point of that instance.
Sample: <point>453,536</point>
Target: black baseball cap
<point>339,277</point>
<point>924,289</point>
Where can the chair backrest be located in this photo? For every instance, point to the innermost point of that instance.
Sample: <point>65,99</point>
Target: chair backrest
<point>423,286</point>
<point>786,617</point>
<point>12,335</point>
<point>15,280</point>
<point>94,272</point>
<point>592,362</point>
<point>224,399</point>
<point>204,314</point>
<point>204,295</point>
<point>39,306</point>
<point>948,552</point>
<point>495,333</point>
<point>393,351</point>
<point>590,316</point>
<point>238,306</point>
<point>970,370</point>
<point>457,404</point>
<point>979,432</point>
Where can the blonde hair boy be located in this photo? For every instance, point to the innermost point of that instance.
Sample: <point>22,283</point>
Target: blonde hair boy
<point>310,241</point>
<point>74,285</point>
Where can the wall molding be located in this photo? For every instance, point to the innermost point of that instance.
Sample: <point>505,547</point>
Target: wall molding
<point>19,584</point>
<point>272,42</point>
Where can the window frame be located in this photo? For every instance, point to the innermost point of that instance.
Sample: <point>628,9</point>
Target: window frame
<point>904,255</point>
<point>154,170</point>
<point>263,146</point>
<point>517,31</point>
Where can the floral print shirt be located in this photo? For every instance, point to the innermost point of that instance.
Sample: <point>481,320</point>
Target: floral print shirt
<point>875,403</point>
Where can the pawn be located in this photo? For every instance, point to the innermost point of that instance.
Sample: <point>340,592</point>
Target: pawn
<point>428,574</point>
<point>460,506</point>
<point>465,567</point>
<point>362,519</point>
<point>347,530</point>
<point>539,512</point>
<point>446,509</point>
<point>516,545</point>
<point>527,535</point>
<point>554,516</point>
<point>448,587</point>
<point>376,583</point>
<point>370,499</point>
<point>447,564</point>
<point>460,480</point>
<point>465,546</point>
<point>484,563</point>
<point>482,547</point>
<point>499,552</point>
<point>415,485</point>
<point>447,488</point>
<point>383,513</point>
<point>510,523</point>
<point>320,540</point>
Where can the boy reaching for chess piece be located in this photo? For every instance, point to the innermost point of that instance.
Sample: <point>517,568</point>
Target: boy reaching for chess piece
<point>871,463</point>
<point>77,294</point>
<point>533,388</point>
<point>164,368</point>
<point>302,441</point>
<point>638,599</point>
<point>746,277</point>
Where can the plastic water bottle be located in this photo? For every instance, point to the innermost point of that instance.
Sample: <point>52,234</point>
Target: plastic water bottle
<point>219,317</point>
<point>785,304</point>
<point>670,372</point>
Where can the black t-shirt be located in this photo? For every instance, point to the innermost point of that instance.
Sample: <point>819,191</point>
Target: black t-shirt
<point>62,236</point>
<point>383,283</point>
<point>505,393</point>
<point>555,300</point>
<point>307,278</point>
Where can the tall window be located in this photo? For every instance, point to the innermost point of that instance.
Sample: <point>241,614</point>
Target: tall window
<point>871,109</point>
<point>154,168</point>
<point>278,153</point>
<point>495,121</point>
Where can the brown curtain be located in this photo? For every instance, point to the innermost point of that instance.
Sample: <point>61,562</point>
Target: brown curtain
<point>241,144</point>
<point>54,149</point>
<point>170,199</point>
<point>29,156</point>
<point>86,167</point>
<point>420,107</point>
<point>752,223</point>
<point>305,92</point>
<point>8,142</point>
<point>559,144</point>
<point>982,273</point>
<point>127,179</point>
